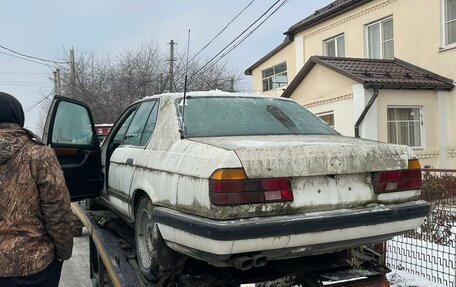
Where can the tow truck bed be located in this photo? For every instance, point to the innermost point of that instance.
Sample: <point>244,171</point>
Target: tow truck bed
<point>113,263</point>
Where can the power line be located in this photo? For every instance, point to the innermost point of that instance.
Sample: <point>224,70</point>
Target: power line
<point>241,34</point>
<point>242,40</point>
<point>221,31</point>
<point>26,59</point>
<point>237,37</point>
<point>37,104</point>
<point>32,57</point>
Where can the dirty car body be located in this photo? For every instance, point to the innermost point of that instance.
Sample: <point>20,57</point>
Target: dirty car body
<point>233,175</point>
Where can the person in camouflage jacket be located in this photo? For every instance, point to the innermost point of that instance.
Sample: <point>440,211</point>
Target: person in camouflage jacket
<point>35,214</point>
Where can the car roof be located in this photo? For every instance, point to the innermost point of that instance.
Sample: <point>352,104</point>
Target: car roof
<point>214,93</point>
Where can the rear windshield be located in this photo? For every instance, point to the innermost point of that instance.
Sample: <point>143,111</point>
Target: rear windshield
<point>241,116</point>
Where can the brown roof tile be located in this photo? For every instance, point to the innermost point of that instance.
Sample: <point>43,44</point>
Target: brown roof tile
<point>375,73</point>
<point>335,8</point>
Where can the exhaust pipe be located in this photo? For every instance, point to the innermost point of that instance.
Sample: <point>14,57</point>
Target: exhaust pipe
<point>259,260</point>
<point>243,263</point>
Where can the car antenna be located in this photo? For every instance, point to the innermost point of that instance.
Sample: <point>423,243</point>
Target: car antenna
<point>185,89</point>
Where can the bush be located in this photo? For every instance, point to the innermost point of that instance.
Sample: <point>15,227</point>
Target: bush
<point>440,225</point>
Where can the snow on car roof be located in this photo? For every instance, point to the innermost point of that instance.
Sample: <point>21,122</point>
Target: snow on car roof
<point>213,93</point>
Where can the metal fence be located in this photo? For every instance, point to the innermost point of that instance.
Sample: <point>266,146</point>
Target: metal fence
<point>430,251</point>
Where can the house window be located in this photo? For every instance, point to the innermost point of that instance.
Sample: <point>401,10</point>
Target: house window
<point>380,39</point>
<point>328,117</point>
<point>449,21</point>
<point>275,77</point>
<point>334,47</point>
<point>404,126</point>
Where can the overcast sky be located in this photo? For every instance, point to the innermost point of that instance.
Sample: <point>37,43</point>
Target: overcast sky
<point>106,27</point>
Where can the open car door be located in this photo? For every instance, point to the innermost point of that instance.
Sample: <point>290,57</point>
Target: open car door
<point>70,131</point>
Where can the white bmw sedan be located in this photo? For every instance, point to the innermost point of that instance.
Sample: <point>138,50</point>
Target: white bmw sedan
<point>236,180</point>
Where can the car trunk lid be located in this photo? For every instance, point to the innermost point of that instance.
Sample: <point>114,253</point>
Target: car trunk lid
<point>311,155</point>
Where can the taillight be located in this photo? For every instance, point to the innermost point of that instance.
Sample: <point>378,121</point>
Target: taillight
<point>231,187</point>
<point>398,180</point>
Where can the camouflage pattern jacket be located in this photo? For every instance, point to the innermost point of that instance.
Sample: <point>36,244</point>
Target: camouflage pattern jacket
<point>35,214</point>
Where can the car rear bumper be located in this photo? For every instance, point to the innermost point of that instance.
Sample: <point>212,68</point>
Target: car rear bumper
<point>303,234</point>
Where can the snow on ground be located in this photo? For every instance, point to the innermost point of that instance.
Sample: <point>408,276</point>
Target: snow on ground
<point>433,261</point>
<point>400,278</point>
<point>75,272</point>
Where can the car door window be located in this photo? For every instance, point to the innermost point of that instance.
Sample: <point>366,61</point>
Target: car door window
<point>70,132</point>
<point>136,128</point>
<point>150,125</point>
<point>72,125</point>
<point>120,135</point>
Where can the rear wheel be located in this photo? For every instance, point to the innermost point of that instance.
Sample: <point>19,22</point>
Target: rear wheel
<point>154,257</point>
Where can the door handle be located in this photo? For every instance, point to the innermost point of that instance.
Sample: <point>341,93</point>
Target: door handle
<point>129,161</point>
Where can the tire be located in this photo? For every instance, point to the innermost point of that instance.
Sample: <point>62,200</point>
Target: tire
<point>154,257</point>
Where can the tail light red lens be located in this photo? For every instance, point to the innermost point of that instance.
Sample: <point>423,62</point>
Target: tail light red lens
<point>250,191</point>
<point>400,180</point>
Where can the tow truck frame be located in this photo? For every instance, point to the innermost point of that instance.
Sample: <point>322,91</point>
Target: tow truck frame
<point>113,263</point>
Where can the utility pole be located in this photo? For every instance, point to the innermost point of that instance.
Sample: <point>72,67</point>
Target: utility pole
<point>160,87</point>
<point>57,83</point>
<point>232,85</point>
<point>171,65</point>
<point>73,73</point>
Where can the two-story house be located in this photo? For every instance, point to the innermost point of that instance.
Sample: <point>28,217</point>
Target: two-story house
<point>380,69</point>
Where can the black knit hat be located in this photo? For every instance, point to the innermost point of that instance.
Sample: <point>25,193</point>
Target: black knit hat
<point>11,110</point>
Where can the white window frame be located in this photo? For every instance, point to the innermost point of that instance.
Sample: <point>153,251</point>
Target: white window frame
<point>443,23</point>
<point>336,44</point>
<point>366,36</point>
<point>327,114</point>
<point>422,137</point>
<point>275,74</point>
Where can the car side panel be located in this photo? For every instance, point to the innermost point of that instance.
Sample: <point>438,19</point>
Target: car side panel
<point>178,178</point>
<point>121,173</point>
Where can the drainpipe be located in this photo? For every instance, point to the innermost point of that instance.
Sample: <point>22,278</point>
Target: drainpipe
<point>366,109</point>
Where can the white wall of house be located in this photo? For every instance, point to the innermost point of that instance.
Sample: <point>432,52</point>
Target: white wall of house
<point>322,84</point>
<point>299,53</point>
<point>443,106</point>
<point>319,96</point>
<point>343,114</point>
<point>426,100</point>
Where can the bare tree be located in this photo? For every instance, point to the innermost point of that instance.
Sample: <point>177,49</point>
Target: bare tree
<point>108,85</point>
